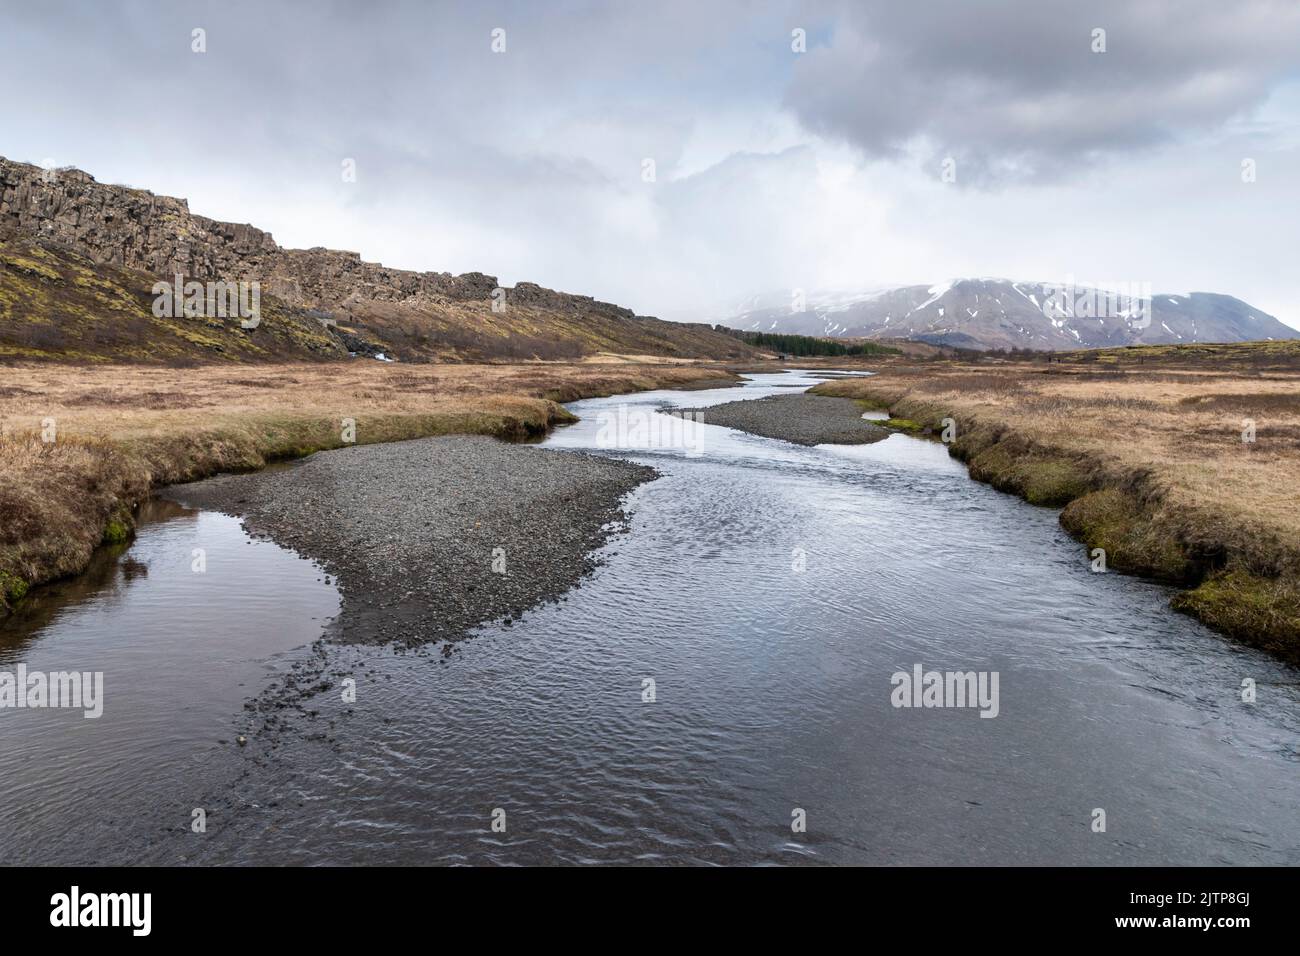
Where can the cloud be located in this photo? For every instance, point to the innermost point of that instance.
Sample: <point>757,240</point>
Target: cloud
<point>1014,91</point>
<point>775,170</point>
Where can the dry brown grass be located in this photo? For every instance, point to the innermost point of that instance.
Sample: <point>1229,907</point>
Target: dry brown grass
<point>1150,463</point>
<point>123,430</point>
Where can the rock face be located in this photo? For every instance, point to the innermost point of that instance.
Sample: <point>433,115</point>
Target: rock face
<point>128,228</point>
<point>69,238</point>
<point>135,229</point>
<point>998,313</point>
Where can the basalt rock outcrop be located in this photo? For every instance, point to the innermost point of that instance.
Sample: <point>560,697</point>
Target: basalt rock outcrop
<point>135,229</point>
<point>127,228</point>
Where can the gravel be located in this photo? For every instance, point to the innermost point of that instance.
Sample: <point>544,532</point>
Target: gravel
<point>410,528</point>
<point>802,419</point>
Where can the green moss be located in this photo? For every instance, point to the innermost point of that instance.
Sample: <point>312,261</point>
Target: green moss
<point>968,444</point>
<point>901,424</point>
<point>1115,521</point>
<point>868,404</point>
<point>1052,481</point>
<point>116,531</point>
<point>1038,478</point>
<point>1264,612</point>
<point>12,588</point>
<point>30,266</point>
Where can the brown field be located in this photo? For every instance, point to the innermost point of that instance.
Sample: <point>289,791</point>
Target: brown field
<point>1143,451</point>
<point>1149,463</point>
<point>120,431</point>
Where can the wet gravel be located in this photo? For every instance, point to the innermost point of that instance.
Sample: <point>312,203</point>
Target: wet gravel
<point>802,419</point>
<point>411,528</point>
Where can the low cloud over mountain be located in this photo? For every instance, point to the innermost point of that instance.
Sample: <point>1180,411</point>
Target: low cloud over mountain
<point>1000,313</point>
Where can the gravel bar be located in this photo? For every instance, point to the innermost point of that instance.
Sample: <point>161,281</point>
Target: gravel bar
<point>802,419</point>
<point>409,528</point>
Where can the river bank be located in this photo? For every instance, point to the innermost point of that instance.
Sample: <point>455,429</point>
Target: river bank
<point>82,447</point>
<point>1185,475</point>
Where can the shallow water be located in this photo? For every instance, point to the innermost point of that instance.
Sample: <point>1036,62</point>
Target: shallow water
<point>179,648</point>
<point>770,592</point>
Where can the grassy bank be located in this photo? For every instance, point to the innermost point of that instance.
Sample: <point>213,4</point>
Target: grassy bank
<point>118,432</point>
<point>1148,463</point>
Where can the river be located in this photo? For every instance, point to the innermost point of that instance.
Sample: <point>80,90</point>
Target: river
<point>719,691</point>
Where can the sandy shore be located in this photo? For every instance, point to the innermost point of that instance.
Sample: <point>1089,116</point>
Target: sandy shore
<point>802,419</point>
<point>419,532</point>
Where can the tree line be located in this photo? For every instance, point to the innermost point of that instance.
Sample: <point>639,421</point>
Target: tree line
<point>806,344</point>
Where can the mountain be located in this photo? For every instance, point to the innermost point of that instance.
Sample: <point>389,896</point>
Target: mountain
<point>999,313</point>
<point>79,258</point>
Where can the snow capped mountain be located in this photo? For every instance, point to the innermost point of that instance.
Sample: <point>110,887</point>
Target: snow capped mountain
<point>1000,313</point>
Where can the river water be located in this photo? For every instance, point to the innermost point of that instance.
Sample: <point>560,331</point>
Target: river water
<point>725,673</point>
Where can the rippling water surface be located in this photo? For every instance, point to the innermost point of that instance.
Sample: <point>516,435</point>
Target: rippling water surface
<point>772,692</point>
<point>180,642</point>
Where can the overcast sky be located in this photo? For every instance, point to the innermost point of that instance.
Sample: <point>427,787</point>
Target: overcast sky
<point>773,169</point>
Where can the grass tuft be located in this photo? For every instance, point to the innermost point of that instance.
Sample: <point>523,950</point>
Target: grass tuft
<point>1238,602</point>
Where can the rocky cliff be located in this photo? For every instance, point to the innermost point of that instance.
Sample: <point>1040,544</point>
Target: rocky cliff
<point>135,229</point>
<point>423,314</point>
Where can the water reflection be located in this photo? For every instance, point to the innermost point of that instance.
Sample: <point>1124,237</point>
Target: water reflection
<point>180,649</point>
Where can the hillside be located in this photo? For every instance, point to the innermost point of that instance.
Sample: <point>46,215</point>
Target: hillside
<point>57,305</point>
<point>80,258</point>
<point>1001,314</point>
